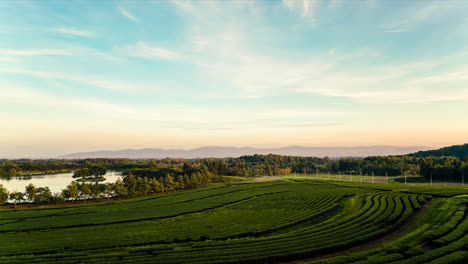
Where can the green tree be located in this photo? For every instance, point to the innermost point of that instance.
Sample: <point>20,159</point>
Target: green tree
<point>119,189</point>
<point>85,190</point>
<point>31,192</point>
<point>71,191</point>
<point>81,173</point>
<point>97,190</point>
<point>143,186</point>
<point>155,186</point>
<point>186,181</point>
<point>140,186</point>
<point>108,189</point>
<point>146,186</point>
<point>44,195</point>
<point>17,197</point>
<point>131,184</point>
<point>97,170</point>
<point>3,194</point>
<point>161,183</point>
<point>169,182</point>
<point>181,182</point>
<point>194,180</point>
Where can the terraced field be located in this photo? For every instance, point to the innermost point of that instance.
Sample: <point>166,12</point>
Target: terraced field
<point>269,222</point>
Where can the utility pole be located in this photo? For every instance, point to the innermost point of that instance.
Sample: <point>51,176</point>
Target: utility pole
<point>351,173</point>
<point>405,178</point>
<point>386,177</point>
<point>329,176</point>
<point>340,175</point>
<point>305,172</point>
<point>316,172</point>
<point>431,176</point>
<point>463,179</point>
<point>360,172</point>
<point>372,177</point>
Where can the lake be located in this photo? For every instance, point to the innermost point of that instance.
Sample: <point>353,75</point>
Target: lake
<point>55,182</point>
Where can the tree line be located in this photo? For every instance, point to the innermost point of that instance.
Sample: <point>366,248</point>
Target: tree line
<point>153,176</point>
<point>129,187</point>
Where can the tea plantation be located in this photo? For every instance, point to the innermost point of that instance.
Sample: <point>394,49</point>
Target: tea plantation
<point>270,222</point>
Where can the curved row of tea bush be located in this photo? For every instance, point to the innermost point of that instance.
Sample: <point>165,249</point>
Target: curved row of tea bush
<point>292,221</point>
<point>249,223</point>
<point>217,213</point>
<point>442,238</point>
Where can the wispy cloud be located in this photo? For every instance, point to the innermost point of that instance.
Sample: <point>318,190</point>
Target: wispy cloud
<point>105,56</point>
<point>23,96</point>
<point>226,59</point>
<point>74,32</point>
<point>449,77</point>
<point>415,16</point>
<point>35,52</point>
<point>396,30</point>
<point>242,74</point>
<point>177,116</point>
<point>148,51</point>
<point>127,14</point>
<point>114,85</point>
<point>304,7</point>
<point>185,6</point>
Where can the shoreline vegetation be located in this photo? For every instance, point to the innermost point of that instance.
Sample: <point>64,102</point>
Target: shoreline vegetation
<point>103,193</point>
<point>143,177</point>
<point>92,179</point>
<point>33,173</point>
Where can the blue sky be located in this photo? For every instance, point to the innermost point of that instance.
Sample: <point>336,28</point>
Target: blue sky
<point>89,75</point>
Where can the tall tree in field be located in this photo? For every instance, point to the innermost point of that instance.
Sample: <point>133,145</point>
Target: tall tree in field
<point>140,186</point>
<point>108,189</point>
<point>3,194</point>
<point>161,183</point>
<point>44,195</point>
<point>169,182</point>
<point>146,186</point>
<point>119,189</point>
<point>31,192</point>
<point>85,190</point>
<point>180,181</point>
<point>130,183</point>
<point>16,196</point>
<point>186,181</point>
<point>97,190</point>
<point>155,185</point>
<point>195,180</point>
<point>71,192</point>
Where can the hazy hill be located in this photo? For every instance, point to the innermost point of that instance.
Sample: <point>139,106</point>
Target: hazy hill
<point>459,151</point>
<point>224,152</point>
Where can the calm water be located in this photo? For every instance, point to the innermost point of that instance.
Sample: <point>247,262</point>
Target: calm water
<point>56,182</point>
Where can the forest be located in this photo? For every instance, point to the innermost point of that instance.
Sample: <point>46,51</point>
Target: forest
<point>447,168</point>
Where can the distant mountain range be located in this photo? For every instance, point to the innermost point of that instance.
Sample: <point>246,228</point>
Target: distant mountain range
<point>232,152</point>
<point>459,151</point>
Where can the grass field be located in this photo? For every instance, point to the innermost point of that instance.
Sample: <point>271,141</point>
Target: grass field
<point>295,219</point>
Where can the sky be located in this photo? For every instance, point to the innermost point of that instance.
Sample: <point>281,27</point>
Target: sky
<point>95,75</point>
